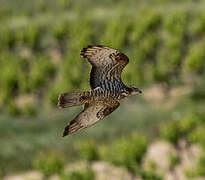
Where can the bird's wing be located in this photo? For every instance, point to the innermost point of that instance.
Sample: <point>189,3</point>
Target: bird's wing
<point>106,63</point>
<point>92,113</point>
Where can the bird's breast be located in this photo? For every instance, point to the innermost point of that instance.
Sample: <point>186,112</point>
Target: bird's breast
<point>112,88</point>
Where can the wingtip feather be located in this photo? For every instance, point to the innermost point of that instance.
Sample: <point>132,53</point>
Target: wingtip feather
<point>66,131</point>
<point>84,50</point>
<point>61,101</point>
<point>71,128</point>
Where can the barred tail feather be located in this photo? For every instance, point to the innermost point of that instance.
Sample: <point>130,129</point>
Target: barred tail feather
<point>70,99</point>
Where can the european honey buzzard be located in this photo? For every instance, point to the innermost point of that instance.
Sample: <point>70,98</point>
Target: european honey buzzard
<point>107,88</point>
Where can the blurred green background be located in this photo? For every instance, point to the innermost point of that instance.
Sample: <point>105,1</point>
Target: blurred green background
<point>40,43</point>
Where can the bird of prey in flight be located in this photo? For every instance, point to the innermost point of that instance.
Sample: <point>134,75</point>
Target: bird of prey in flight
<point>107,88</point>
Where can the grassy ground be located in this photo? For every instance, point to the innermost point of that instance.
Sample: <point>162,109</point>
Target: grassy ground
<point>30,136</point>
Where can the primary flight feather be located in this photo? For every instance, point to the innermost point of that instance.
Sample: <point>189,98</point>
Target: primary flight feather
<point>107,88</point>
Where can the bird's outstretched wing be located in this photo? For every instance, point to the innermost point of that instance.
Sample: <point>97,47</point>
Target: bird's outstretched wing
<point>92,113</point>
<point>106,63</point>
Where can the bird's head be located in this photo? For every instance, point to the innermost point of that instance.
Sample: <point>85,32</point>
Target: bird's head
<point>134,91</point>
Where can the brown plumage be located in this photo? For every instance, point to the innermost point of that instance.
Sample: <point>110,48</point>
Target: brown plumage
<point>106,85</point>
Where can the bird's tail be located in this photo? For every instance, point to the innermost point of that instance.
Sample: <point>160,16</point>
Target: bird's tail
<point>73,99</point>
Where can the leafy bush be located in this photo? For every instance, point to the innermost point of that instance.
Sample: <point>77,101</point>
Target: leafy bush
<point>187,128</point>
<point>9,77</point>
<point>88,150</point>
<point>32,36</point>
<point>49,164</point>
<point>126,152</point>
<point>52,96</point>
<point>113,31</point>
<point>13,109</point>
<point>42,70</point>
<point>195,59</point>
<point>147,21</point>
<point>199,170</point>
<point>196,136</point>
<point>174,160</point>
<point>61,30</point>
<point>85,174</point>
<point>171,132</point>
<point>199,25</point>
<point>150,175</point>
<point>176,23</point>
<point>29,110</point>
<point>198,93</point>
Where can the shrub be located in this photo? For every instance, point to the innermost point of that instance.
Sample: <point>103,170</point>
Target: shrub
<point>65,3</point>
<point>10,38</point>
<point>29,110</point>
<point>88,150</point>
<point>199,170</point>
<point>196,136</point>
<point>112,30</point>
<point>126,152</point>
<point>173,160</point>
<point>147,21</point>
<point>13,109</point>
<point>199,24</point>
<point>194,61</point>
<point>150,175</point>
<point>32,36</point>
<point>198,92</point>
<point>151,172</point>
<point>148,46</point>
<point>174,52</point>
<point>189,122</point>
<point>52,96</point>
<point>81,29</point>
<point>9,78</point>
<point>42,70</point>
<point>176,23</point>
<point>84,174</point>
<point>49,164</point>
<point>171,132</point>
<point>60,31</point>
<point>187,128</point>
